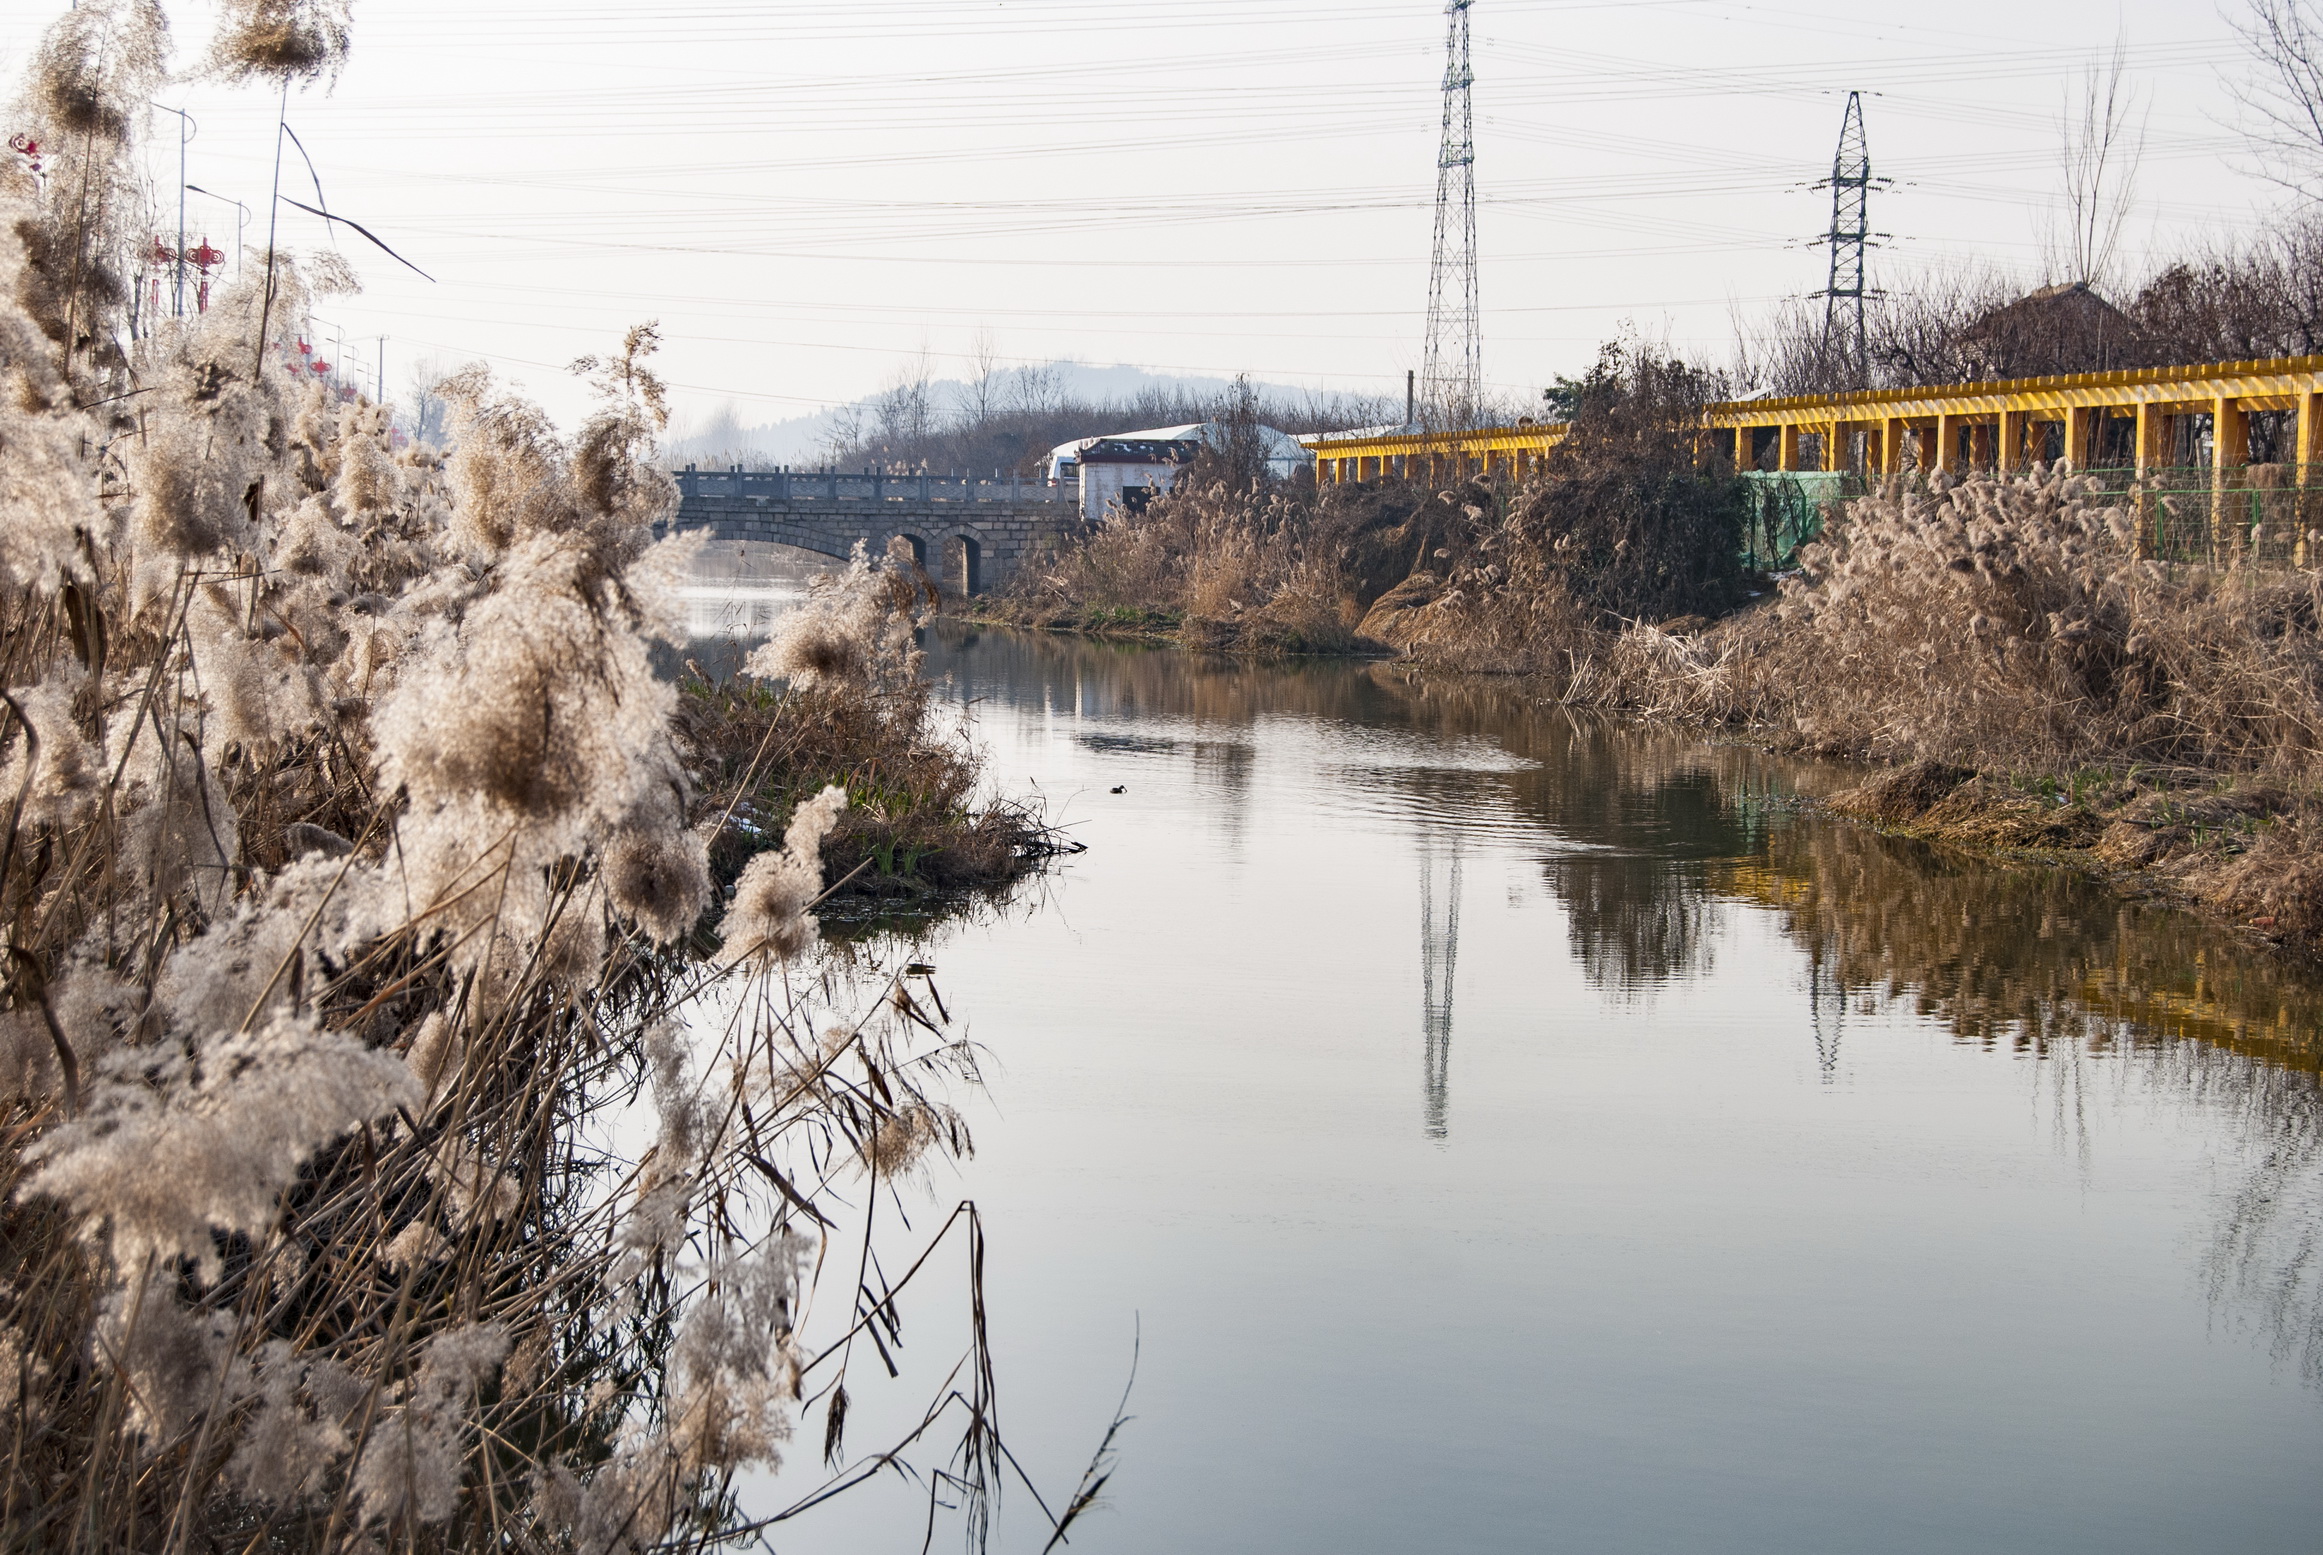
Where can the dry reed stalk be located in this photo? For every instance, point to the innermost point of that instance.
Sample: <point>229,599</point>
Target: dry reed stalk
<point>348,835</point>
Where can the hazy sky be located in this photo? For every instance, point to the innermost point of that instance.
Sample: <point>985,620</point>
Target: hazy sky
<point>809,196</point>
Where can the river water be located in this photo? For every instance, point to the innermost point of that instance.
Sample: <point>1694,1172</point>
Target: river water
<point>1493,1130</point>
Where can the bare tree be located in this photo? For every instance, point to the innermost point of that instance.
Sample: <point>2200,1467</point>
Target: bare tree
<point>984,387</point>
<point>424,404</point>
<point>2283,104</point>
<point>844,439</point>
<point>1038,388</point>
<point>2098,155</point>
<point>904,411</point>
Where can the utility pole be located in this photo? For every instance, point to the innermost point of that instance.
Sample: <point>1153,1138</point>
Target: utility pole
<point>1453,370</point>
<point>242,220</point>
<point>1845,341</point>
<point>177,285</point>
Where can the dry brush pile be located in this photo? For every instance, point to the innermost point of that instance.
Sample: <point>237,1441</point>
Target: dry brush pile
<point>353,881</point>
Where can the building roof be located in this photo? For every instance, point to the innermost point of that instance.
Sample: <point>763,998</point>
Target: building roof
<point>2066,328</point>
<point>1284,452</point>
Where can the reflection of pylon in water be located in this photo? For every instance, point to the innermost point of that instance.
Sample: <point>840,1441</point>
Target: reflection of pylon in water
<point>1439,954</point>
<point>1826,1015</point>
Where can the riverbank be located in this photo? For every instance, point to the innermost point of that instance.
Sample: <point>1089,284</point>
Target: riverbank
<point>2236,849</point>
<point>2230,845</point>
<point>2005,657</point>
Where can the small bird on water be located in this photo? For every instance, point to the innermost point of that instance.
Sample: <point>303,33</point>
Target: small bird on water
<point>1121,788</point>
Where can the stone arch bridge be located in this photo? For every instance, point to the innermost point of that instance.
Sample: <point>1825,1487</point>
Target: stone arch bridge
<point>970,534</point>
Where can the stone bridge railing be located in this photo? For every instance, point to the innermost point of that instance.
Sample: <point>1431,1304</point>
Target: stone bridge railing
<point>969,532</point>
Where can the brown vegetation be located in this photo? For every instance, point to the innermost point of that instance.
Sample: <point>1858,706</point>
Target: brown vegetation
<point>354,866</point>
<point>2047,685</point>
<point>1622,523</point>
<point>915,825</point>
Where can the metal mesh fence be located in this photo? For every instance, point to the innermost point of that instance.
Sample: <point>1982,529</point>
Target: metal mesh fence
<point>2261,514</point>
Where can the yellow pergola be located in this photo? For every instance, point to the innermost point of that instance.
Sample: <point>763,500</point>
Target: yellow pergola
<point>1999,426</point>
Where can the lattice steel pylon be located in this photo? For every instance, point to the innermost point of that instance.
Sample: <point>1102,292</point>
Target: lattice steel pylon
<point>1452,372</point>
<point>1439,961</point>
<point>1844,341</point>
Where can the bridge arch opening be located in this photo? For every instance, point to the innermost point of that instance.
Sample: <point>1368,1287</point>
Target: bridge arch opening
<point>964,565</point>
<point>919,548</point>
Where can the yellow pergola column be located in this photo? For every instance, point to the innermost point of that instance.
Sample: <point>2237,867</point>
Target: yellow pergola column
<point>1787,453</point>
<point>2152,425</point>
<point>1891,447</point>
<point>2014,425</point>
<point>2229,433</point>
<point>2310,428</point>
<point>1947,443</point>
<point>2229,439</point>
<point>1980,445</point>
<point>1746,448</point>
<point>1835,449</point>
<point>2229,452</point>
<point>2080,431</point>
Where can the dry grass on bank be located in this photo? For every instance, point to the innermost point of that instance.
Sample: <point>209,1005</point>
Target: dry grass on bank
<point>1620,523</point>
<point>1221,568</point>
<point>2045,685</point>
<point>837,700</point>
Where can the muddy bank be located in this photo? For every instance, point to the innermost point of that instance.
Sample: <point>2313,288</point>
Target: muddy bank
<point>2235,848</point>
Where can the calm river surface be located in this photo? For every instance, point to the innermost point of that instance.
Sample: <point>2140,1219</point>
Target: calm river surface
<point>1503,1132</point>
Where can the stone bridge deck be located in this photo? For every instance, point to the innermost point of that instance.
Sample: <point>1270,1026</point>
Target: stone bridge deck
<point>969,533</point>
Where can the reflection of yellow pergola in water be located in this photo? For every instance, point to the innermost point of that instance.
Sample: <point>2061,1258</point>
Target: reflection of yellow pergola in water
<point>2144,419</point>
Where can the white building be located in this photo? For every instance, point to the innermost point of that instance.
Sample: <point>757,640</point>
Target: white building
<point>1123,471</point>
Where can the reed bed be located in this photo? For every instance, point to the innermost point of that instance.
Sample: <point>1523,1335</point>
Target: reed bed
<point>358,875</point>
<point>838,700</point>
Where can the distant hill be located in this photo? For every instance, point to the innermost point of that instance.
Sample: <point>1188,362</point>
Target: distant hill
<point>1078,397</point>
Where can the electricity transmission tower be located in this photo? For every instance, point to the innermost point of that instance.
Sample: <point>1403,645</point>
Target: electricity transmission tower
<point>1452,374</point>
<point>1845,344</point>
<point>1439,960</point>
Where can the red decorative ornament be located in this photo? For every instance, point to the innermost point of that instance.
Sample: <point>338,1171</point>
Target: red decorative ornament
<point>319,365</point>
<point>205,258</point>
<point>26,147</point>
